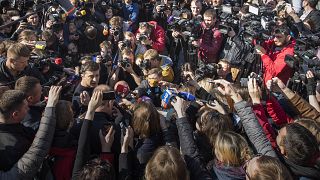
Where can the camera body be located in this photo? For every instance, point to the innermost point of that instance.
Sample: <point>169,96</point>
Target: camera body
<point>143,37</point>
<point>206,71</point>
<point>125,63</point>
<point>126,44</point>
<point>145,64</point>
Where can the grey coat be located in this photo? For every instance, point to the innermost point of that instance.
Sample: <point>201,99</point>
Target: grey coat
<point>254,130</point>
<point>30,162</point>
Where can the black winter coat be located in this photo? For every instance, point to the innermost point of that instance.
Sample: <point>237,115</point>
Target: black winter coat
<point>15,140</point>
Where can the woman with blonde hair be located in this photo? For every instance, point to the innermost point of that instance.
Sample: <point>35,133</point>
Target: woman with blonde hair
<point>231,151</point>
<point>166,163</point>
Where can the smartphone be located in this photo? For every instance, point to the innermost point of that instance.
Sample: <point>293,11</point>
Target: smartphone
<point>288,5</point>
<point>244,82</point>
<point>45,91</point>
<point>109,96</point>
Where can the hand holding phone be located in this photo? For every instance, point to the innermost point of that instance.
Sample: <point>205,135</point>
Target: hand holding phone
<point>109,96</point>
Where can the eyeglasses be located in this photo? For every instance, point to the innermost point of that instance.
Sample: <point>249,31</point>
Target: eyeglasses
<point>245,165</point>
<point>278,36</point>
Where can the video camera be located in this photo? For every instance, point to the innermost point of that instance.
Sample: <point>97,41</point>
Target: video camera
<point>265,15</point>
<point>229,19</point>
<point>206,71</point>
<point>306,57</point>
<point>254,31</point>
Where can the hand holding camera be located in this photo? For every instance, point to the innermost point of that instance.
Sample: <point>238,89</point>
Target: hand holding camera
<point>254,91</point>
<point>275,85</point>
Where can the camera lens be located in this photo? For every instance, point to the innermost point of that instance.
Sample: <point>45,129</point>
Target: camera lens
<point>116,33</point>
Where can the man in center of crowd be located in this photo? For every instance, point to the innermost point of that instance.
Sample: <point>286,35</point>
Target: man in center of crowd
<point>90,78</point>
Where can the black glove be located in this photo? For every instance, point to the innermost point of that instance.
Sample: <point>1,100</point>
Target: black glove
<point>311,86</point>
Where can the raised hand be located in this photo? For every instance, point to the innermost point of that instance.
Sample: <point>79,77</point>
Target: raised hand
<point>228,90</point>
<point>180,106</point>
<point>95,101</point>
<point>254,91</point>
<point>54,94</point>
<point>84,98</point>
<point>215,105</point>
<point>275,85</point>
<point>107,141</point>
<point>127,140</point>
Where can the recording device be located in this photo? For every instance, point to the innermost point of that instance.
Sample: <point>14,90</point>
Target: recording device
<point>125,62</point>
<point>206,71</point>
<point>109,96</point>
<point>169,95</point>
<point>253,31</point>
<point>142,37</point>
<point>116,32</point>
<point>126,44</point>
<point>228,19</point>
<point>145,64</point>
<point>40,45</point>
<point>244,81</point>
<point>306,58</point>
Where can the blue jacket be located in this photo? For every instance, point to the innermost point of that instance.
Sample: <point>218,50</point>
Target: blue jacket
<point>131,13</point>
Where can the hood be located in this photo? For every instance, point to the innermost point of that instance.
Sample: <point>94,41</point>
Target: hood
<point>301,171</point>
<point>228,172</point>
<point>166,60</point>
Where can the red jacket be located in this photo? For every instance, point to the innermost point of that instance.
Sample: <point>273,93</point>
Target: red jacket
<point>157,36</point>
<point>63,164</point>
<point>276,112</point>
<point>210,44</point>
<point>274,64</point>
<point>259,111</point>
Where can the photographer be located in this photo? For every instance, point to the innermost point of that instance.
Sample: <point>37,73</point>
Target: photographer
<point>210,40</point>
<point>127,70</point>
<point>33,22</point>
<point>310,15</point>
<point>161,13</point>
<point>151,35</point>
<point>130,40</point>
<point>130,12</point>
<point>115,34</point>
<point>153,60</point>
<point>273,54</point>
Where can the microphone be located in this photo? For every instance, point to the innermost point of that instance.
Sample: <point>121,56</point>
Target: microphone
<point>67,6</point>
